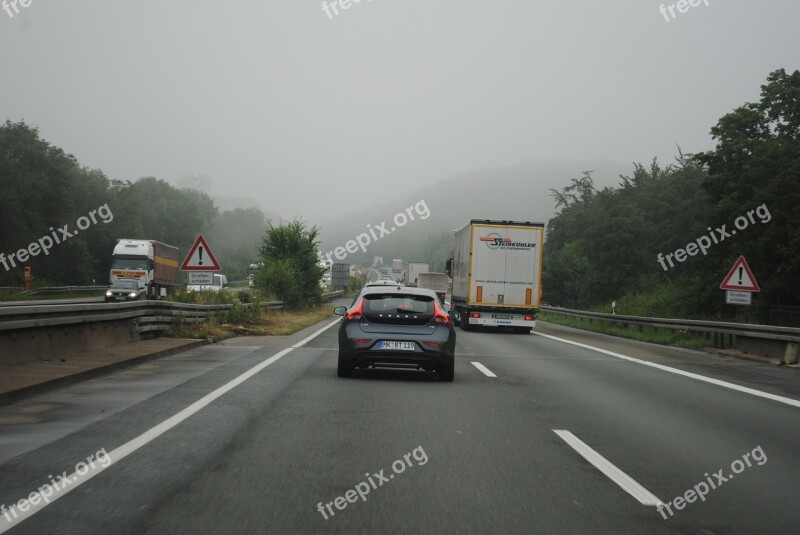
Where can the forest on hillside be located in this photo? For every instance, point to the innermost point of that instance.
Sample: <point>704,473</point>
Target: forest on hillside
<point>704,210</point>
<point>48,195</point>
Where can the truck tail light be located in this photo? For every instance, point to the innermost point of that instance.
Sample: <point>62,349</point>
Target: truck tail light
<point>475,315</point>
<point>529,318</point>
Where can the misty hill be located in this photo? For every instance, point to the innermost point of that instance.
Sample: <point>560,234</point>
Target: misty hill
<point>518,192</point>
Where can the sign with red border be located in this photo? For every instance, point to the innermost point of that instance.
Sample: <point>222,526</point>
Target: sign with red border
<point>200,257</point>
<point>740,278</point>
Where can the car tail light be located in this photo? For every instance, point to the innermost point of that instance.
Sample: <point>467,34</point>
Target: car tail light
<point>433,345</point>
<point>439,315</point>
<point>362,341</point>
<point>355,313</point>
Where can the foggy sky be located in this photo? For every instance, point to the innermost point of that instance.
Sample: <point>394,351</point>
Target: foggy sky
<point>312,115</point>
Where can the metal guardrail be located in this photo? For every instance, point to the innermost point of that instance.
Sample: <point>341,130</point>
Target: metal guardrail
<point>147,315</point>
<point>57,289</point>
<point>786,334</point>
<point>27,317</point>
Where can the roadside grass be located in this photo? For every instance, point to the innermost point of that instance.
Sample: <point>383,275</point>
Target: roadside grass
<point>647,334</point>
<point>259,323</point>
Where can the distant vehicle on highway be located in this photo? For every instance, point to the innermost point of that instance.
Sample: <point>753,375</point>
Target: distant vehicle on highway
<point>153,265</point>
<point>414,269</point>
<point>220,281</point>
<point>396,328</point>
<point>252,273</point>
<point>438,282</point>
<point>124,290</point>
<point>373,284</point>
<point>497,273</point>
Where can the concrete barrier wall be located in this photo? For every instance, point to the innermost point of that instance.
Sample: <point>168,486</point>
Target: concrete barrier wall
<point>45,343</point>
<point>47,332</point>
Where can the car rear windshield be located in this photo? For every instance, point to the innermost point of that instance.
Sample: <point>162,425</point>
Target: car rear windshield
<point>398,308</point>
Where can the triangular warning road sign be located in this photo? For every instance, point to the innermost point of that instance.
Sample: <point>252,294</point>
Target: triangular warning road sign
<point>200,257</point>
<point>740,278</point>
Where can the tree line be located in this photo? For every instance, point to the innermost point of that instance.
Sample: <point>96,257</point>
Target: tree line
<point>742,198</point>
<point>43,188</point>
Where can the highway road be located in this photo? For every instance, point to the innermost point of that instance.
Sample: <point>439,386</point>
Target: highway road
<point>536,435</point>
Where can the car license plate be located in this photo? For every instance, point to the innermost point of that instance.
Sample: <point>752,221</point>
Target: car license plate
<point>403,346</point>
<point>502,316</point>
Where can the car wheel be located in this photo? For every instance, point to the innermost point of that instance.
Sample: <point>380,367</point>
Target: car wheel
<point>447,372</point>
<point>345,366</point>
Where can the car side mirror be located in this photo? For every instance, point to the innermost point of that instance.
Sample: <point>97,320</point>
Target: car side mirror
<point>340,311</point>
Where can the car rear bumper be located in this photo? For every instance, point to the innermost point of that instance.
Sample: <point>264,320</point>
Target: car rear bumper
<point>380,358</point>
<point>375,359</point>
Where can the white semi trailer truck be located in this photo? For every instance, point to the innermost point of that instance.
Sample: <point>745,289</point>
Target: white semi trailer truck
<point>497,272</point>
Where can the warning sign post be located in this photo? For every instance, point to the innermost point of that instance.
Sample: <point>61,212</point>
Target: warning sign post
<point>739,284</point>
<point>200,257</point>
<point>738,298</point>
<point>740,278</point>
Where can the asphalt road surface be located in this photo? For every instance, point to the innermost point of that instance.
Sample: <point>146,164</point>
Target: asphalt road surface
<point>536,435</point>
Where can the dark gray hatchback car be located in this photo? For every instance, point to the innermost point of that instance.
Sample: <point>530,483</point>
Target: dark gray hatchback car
<point>396,327</point>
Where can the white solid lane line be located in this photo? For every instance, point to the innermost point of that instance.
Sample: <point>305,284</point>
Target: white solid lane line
<point>732,386</point>
<point>628,484</point>
<point>486,371</point>
<point>153,433</point>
